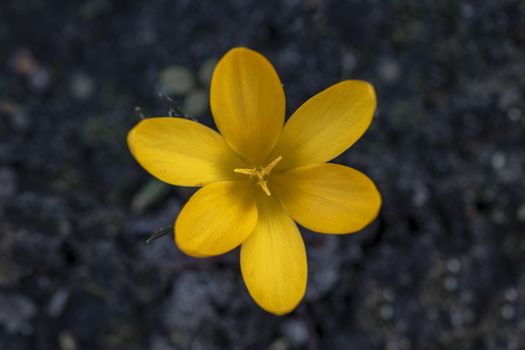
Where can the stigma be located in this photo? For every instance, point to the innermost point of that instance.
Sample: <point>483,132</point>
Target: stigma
<point>260,173</point>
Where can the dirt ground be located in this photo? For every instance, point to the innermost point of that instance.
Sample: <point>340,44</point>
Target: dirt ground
<point>443,267</point>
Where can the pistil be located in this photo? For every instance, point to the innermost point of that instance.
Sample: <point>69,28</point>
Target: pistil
<point>261,173</point>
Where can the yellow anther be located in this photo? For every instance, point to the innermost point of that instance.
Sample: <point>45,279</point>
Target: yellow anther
<point>264,185</point>
<point>251,172</point>
<point>260,173</point>
<point>266,170</point>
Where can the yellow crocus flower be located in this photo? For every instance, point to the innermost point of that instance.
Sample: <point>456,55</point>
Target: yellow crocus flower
<point>258,176</point>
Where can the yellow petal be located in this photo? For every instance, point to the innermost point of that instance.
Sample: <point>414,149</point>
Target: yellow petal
<point>247,102</point>
<point>273,260</point>
<point>182,152</point>
<point>328,198</point>
<point>216,219</point>
<point>326,125</point>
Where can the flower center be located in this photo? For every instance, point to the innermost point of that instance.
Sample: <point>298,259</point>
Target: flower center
<point>260,173</point>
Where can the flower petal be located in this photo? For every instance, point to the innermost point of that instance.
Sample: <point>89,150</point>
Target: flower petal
<point>328,198</point>
<point>273,260</point>
<point>182,152</point>
<point>247,102</point>
<point>326,125</point>
<point>216,219</point>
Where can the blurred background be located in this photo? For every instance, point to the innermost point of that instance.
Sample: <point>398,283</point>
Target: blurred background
<point>441,268</point>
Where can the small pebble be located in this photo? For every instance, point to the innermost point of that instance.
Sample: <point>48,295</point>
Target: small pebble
<point>451,283</point>
<point>57,303</point>
<point>81,86</point>
<point>67,341</point>
<point>467,296</point>
<point>196,103</point>
<point>514,114</point>
<point>509,95</point>
<point>453,265</point>
<point>279,344</point>
<point>40,79</point>
<point>160,343</point>
<point>498,216</point>
<point>398,344</point>
<point>348,61</point>
<point>388,295</point>
<point>511,294</point>
<point>297,331</point>
<point>507,312</point>
<point>498,160</point>
<point>17,115</point>
<point>389,70</point>
<point>24,63</point>
<point>467,10</point>
<point>15,313</point>
<point>457,319</point>
<point>386,312</point>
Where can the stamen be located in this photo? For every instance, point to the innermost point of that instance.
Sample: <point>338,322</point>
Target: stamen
<point>264,186</point>
<point>260,173</point>
<point>250,172</point>
<point>269,167</point>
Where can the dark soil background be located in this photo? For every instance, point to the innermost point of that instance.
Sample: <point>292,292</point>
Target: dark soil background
<point>441,268</point>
